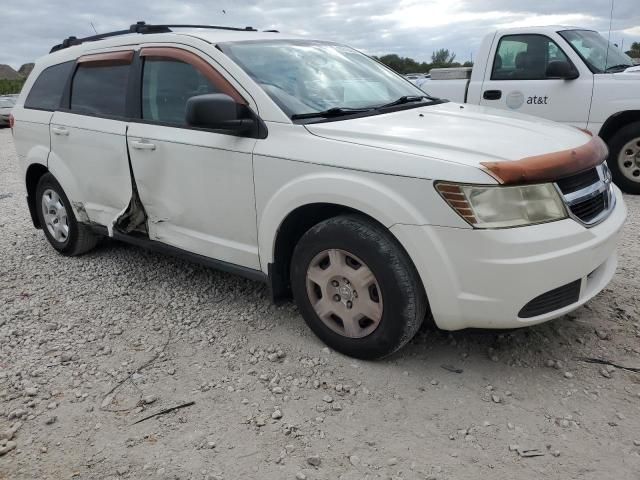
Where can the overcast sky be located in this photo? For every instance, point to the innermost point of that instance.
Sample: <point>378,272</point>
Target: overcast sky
<point>411,28</point>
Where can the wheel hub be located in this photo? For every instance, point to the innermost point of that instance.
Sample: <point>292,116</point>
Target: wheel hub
<point>344,293</point>
<point>629,160</point>
<point>344,290</point>
<point>55,215</point>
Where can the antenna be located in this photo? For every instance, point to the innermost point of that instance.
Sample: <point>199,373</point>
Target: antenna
<point>94,28</point>
<point>606,60</point>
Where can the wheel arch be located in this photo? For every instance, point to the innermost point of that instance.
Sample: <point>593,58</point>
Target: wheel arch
<point>617,121</point>
<point>300,205</point>
<point>34,173</point>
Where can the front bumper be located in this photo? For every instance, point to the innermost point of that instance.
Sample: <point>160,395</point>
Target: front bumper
<point>483,278</point>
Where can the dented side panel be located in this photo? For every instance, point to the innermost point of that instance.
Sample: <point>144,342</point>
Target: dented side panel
<point>90,161</point>
<point>197,190</point>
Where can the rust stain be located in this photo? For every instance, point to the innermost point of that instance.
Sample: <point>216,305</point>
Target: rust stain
<point>549,167</point>
<point>110,58</point>
<point>199,64</point>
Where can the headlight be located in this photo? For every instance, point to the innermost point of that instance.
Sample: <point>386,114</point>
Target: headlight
<point>495,206</point>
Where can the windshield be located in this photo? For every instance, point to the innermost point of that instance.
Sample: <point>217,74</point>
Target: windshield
<point>307,77</point>
<point>7,102</point>
<point>596,51</point>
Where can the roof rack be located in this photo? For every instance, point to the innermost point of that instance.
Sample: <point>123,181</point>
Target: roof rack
<point>142,28</point>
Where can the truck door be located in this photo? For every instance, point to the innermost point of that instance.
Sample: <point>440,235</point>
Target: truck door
<point>532,74</point>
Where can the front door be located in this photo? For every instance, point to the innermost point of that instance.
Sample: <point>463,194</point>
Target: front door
<point>521,79</point>
<point>196,186</point>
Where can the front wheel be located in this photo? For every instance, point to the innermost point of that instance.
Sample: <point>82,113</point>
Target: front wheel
<point>356,287</point>
<point>57,220</point>
<point>624,158</point>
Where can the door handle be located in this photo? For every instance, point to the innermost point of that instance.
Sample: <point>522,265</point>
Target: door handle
<point>492,94</point>
<point>142,145</point>
<point>60,131</point>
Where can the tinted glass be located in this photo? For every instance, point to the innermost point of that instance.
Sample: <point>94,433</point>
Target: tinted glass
<point>167,84</point>
<point>47,90</point>
<point>525,57</point>
<point>100,89</point>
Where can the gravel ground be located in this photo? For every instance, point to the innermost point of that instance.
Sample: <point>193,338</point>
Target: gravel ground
<point>91,345</point>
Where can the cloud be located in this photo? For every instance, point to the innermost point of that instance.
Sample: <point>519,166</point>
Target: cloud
<point>412,28</point>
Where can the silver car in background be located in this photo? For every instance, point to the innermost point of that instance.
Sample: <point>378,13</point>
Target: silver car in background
<point>6,105</point>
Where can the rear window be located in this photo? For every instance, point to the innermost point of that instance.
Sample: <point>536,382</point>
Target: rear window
<point>48,88</point>
<point>100,89</point>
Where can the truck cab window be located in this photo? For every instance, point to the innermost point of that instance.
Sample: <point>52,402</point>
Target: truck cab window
<point>525,57</point>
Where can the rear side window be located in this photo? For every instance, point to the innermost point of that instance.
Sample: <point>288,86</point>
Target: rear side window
<point>100,89</point>
<point>167,84</point>
<point>48,88</point>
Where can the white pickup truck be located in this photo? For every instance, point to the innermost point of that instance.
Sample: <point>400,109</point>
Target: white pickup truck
<point>565,74</point>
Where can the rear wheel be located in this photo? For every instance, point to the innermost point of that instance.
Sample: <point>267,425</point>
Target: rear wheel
<point>624,158</point>
<point>58,222</point>
<point>356,287</point>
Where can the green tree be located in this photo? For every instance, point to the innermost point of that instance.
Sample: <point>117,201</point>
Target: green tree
<point>8,87</point>
<point>442,58</point>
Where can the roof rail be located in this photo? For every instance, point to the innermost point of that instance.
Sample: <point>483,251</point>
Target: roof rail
<point>142,28</point>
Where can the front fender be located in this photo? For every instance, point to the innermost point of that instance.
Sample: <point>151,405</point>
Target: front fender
<point>388,199</point>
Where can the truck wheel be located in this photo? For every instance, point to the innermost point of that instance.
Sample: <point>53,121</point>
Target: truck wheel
<point>356,287</point>
<point>58,222</point>
<point>624,158</point>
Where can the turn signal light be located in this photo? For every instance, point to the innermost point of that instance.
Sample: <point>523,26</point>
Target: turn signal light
<point>457,200</point>
<point>12,121</point>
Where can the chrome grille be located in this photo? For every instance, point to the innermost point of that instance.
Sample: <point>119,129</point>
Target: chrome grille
<point>588,195</point>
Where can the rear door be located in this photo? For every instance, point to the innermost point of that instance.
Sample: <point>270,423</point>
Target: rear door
<point>519,79</point>
<point>88,138</point>
<point>196,185</point>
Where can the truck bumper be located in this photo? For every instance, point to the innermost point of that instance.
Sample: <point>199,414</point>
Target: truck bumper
<point>485,278</point>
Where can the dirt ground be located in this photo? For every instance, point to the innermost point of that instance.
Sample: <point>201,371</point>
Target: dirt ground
<point>91,345</point>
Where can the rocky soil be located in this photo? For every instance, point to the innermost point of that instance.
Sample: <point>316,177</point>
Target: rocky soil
<point>90,346</point>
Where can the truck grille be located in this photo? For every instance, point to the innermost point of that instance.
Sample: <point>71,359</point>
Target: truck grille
<point>552,300</point>
<point>579,181</point>
<point>590,208</point>
<point>588,195</point>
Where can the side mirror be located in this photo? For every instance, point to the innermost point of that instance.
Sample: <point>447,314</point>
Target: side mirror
<point>218,111</point>
<point>561,70</point>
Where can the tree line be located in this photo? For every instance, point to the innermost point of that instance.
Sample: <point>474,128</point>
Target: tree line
<point>442,58</point>
<point>8,87</point>
<point>634,52</point>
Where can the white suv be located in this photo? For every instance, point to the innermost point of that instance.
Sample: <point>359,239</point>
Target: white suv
<point>312,167</point>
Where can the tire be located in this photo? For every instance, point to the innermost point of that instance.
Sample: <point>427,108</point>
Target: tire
<point>385,304</point>
<point>624,158</point>
<point>64,232</point>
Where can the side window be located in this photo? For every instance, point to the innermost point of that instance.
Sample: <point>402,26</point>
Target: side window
<point>48,88</point>
<point>167,84</point>
<point>525,57</point>
<point>100,88</point>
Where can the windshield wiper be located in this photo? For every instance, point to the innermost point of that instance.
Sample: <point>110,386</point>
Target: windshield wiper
<point>621,67</point>
<point>405,99</point>
<point>331,112</point>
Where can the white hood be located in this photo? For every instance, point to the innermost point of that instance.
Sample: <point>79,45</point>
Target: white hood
<point>464,134</point>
